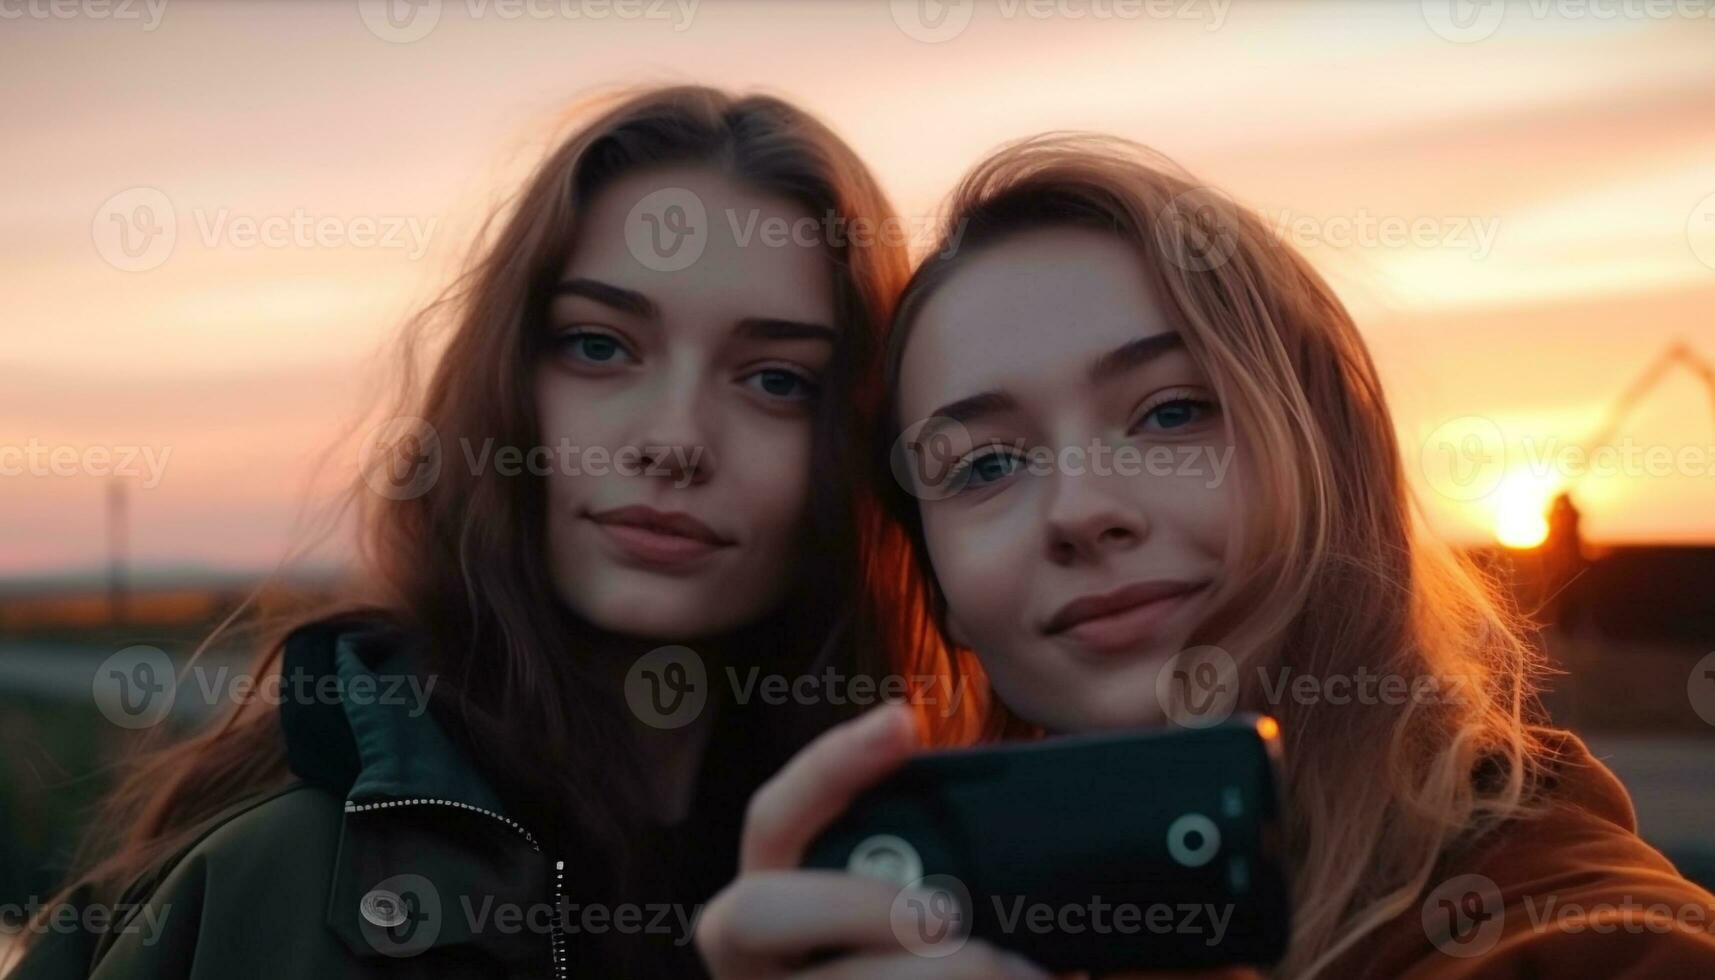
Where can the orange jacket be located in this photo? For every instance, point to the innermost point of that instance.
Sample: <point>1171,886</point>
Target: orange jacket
<point>1572,894</point>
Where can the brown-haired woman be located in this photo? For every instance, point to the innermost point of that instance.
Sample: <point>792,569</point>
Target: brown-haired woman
<point>1102,300</point>
<point>676,399</point>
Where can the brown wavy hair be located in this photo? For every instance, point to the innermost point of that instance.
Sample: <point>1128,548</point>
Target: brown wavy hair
<point>1332,569</point>
<point>464,565</point>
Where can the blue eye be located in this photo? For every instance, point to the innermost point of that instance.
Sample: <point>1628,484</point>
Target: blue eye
<point>783,384</point>
<point>976,472</point>
<point>590,347</point>
<point>1177,413</point>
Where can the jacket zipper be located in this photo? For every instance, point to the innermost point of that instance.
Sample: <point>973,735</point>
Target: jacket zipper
<point>556,936</point>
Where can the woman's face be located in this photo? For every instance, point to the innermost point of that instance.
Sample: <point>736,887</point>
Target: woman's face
<point>1080,515</point>
<point>685,397</point>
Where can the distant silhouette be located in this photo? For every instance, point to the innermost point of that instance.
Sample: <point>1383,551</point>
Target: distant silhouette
<point>1563,560</point>
<point>1660,592</point>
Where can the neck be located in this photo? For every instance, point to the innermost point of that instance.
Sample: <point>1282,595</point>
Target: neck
<point>669,734</point>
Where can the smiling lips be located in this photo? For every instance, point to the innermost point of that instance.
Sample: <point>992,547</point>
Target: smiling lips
<point>657,538</point>
<point>1122,619</point>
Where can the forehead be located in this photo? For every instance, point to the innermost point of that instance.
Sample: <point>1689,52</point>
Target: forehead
<point>1029,313</point>
<point>638,232</point>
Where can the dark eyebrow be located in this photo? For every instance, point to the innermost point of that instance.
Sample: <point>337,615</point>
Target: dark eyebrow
<point>771,328</point>
<point>624,300</point>
<point>1127,356</point>
<point>1116,361</point>
<point>635,303</point>
<point>968,410</point>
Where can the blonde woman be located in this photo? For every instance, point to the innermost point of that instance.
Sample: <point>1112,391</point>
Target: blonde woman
<point>1104,307</point>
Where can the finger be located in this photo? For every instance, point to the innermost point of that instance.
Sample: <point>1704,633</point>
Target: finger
<point>774,917</point>
<point>820,782</point>
<point>973,961</point>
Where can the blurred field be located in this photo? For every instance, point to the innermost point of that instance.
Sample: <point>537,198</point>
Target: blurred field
<point>60,749</point>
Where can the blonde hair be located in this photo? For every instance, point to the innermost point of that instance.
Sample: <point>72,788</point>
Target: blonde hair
<point>1332,567</point>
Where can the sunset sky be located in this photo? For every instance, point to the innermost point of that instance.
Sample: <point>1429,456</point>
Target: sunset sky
<point>1558,166</point>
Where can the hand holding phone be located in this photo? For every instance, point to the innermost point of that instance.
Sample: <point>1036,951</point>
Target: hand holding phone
<point>779,920</point>
<point>1144,851</point>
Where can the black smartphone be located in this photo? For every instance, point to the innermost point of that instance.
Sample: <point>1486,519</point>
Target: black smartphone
<point>1149,850</point>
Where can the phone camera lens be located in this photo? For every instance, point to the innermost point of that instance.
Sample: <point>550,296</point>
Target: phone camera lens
<point>1193,840</point>
<point>885,857</point>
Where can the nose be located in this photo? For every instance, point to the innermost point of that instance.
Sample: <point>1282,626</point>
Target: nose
<point>675,442</point>
<point>1086,520</point>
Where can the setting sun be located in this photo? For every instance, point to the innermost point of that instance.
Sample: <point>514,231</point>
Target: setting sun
<point>1521,509</point>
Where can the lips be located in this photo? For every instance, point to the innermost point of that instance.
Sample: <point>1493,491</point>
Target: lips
<point>1122,618</point>
<point>661,522</point>
<point>652,537</point>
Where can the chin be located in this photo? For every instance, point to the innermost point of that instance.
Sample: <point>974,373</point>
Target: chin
<point>636,613</point>
<point>1131,712</point>
<point>1095,706</point>
<point>665,611</point>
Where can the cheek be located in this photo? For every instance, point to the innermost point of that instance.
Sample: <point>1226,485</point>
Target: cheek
<point>1191,509</point>
<point>1205,512</point>
<point>581,427</point>
<point>566,411</point>
<point>766,472</point>
<point>979,569</point>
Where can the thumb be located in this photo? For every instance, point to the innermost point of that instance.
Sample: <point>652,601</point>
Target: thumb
<point>791,809</point>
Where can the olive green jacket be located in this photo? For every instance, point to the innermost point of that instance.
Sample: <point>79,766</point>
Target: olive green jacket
<point>387,856</point>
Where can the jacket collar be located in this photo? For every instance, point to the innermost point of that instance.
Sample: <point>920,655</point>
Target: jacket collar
<point>363,728</point>
<point>424,836</point>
